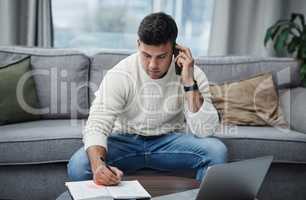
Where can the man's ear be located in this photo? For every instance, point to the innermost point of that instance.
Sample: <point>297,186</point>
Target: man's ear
<point>138,43</point>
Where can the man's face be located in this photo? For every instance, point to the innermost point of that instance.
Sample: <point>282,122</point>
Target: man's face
<point>156,60</point>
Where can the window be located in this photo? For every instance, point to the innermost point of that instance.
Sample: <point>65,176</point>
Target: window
<point>113,24</point>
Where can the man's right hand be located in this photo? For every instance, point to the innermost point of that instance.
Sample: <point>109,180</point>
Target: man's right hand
<point>103,176</point>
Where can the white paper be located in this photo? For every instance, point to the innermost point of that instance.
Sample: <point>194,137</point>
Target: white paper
<point>85,190</point>
<point>128,189</point>
<point>81,190</point>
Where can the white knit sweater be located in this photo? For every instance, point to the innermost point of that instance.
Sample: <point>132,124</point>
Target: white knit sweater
<point>130,102</point>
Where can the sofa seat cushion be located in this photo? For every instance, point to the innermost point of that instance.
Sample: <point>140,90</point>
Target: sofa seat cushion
<point>41,141</point>
<point>48,141</point>
<point>245,142</point>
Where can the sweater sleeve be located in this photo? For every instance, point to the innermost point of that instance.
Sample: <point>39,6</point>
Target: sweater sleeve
<point>205,121</point>
<point>108,104</point>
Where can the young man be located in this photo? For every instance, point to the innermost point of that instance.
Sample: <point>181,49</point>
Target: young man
<point>142,109</point>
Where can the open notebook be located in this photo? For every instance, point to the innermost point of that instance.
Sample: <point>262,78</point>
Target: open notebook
<point>88,190</point>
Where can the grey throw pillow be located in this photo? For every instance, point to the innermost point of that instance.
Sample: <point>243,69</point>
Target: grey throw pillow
<point>17,93</point>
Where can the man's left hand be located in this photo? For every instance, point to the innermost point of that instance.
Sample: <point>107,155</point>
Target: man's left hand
<point>186,62</point>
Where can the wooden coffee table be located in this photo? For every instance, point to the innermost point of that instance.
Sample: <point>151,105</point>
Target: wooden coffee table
<point>157,185</point>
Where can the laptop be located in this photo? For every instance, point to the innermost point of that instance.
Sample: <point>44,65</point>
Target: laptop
<point>236,180</point>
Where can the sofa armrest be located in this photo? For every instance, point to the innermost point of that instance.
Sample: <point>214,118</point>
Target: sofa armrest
<point>298,109</point>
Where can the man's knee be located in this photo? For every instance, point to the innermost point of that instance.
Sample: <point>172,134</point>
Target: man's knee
<point>78,167</point>
<point>217,151</point>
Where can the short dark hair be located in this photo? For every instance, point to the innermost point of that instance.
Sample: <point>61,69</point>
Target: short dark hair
<point>157,28</point>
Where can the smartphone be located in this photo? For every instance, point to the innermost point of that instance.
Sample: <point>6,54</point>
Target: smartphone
<point>178,69</point>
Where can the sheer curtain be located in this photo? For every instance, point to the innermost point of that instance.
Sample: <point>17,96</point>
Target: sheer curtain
<point>239,26</point>
<point>26,22</point>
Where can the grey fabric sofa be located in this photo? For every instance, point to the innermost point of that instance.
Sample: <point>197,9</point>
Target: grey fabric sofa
<point>33,155</point>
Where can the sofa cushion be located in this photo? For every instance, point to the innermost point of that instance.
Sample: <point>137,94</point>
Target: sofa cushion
<point>39,141</point>
<point>220,69</point>
<point>61,77</point>
<point>285,103</point>
<point>19,97</point>
<point>56,140</point>
<point>101,63</point>
<point>293,104</point>
<point>6,59</point>
<point>253,101</point>
<point>298,109</point>
<point>245,142</point>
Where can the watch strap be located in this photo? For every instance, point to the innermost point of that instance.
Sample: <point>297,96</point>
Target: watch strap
<point>191,88</point>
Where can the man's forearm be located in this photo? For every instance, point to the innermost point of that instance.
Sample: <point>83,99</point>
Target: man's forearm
<point>94,153</point>
<point>194,100</point>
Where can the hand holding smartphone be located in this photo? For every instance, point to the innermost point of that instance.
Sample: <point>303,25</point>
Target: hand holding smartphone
<point>176,51</point>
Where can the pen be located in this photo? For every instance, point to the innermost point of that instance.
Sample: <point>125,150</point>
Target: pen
<point>107,166</point>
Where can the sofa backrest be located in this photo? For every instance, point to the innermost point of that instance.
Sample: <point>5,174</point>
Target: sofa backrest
<point>66,79</point>
<point>100,64</point>
<point>226,69</point>
<point>61,78</point>
<point>218,69</point>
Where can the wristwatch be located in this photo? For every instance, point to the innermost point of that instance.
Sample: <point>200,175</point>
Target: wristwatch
<point>192,88</point>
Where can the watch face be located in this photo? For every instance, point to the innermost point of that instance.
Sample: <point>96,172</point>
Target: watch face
<point>191,88</point>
